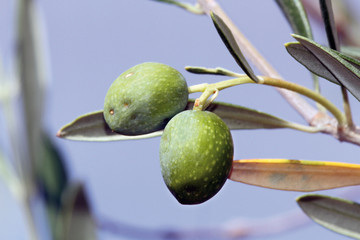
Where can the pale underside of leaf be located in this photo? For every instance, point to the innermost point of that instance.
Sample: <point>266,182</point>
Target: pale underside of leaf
<point>306,58</point>
<point>342,70</point>
<point>339,215</point>
<point>295,175</point>
<point>92,126</point>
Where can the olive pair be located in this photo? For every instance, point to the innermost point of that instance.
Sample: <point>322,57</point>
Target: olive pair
<point>196,148</point>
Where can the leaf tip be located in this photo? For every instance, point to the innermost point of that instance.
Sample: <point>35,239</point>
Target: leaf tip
<point>60,134</point>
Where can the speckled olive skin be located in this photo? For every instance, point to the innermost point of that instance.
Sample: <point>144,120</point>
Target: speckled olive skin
<point>143,98</point>
<point>196,154</point>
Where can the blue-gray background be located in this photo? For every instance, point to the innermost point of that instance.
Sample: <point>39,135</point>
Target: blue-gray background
<point>91,42</point>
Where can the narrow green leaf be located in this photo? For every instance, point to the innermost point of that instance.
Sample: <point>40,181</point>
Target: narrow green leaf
<point>295,175</point>
<point>32,77</point>
<point>342,70</point>
<point>51,174</point>
<point>92,126</point>
<point>306,58</point>
<point>213,71</point>
<point>77,220</point>
<point>353,61</point>
<point>329,22</point>
<point>339,215</point>
<point>231,44</point>
<point>295,14</point>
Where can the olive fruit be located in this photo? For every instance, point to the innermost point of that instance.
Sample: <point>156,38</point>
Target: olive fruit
<point>144,98</point>
<point>196,154</point>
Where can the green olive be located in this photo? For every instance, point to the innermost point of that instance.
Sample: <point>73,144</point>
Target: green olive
<point>196,154</point>
<point>144,98</point>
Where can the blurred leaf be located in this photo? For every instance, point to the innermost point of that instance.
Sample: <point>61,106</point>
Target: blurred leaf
<point>351,51</point>
<point>8,175</point>
<point>329,22</point>
<point>92,126</point>
<point>295,175</point>
<point>306,58</point>
<point>342,70</point>
<point>187,6</point>
<point>339,215</point>
<point>230,42</point>
<point>295,14</point>
<point>32,75</point>
<point>51,174</point>
<point>52,180</point>
<point>77,221</point>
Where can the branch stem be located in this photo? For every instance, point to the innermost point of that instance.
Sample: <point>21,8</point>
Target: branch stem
<point>209,89</point>
<point>307,111</point>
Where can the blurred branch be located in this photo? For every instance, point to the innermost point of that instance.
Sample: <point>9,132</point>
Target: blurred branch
<point>237,228</point>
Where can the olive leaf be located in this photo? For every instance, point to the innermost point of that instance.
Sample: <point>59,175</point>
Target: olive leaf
<point>92,126</point>
<point>295,175</point>
<point>343,71</point>
<point>76,220</point>
<point>295,14</point>
<point>231,44</point>
<point>329,22</point>
<point>339,215</point>
<point>306,58</point>
<point>213,71</point>
<point>51,174</point>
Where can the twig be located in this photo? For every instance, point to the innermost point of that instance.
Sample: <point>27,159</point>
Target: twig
<point>299,104</point>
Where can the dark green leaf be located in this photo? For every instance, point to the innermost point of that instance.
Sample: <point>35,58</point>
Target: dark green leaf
<point>51,174</point>
<point>295,14</point>
<point>77,219</point>
<point>92,126</point>
<point>306,58</point>
<point>230,42</point>
<point>336,214</point>
<point>342,70</point>
<point>329,22</point>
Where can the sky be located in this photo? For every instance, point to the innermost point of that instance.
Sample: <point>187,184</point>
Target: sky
<point>90,43</point>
